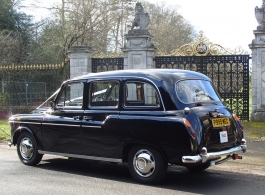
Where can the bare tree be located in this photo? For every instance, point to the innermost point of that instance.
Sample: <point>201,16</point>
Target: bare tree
<point>8,47</point>
<point>169,28</point>
<point>102,25</point>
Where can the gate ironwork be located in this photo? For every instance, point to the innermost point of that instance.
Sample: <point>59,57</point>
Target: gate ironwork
<point>106,64</point>
<point>229,73</point>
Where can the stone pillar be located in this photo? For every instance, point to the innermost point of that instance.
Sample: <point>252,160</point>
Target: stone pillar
<point>258,67</point>
<point>80,60</point>
<point>138,50</point>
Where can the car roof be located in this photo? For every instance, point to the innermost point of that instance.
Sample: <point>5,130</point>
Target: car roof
<point>153,74</point>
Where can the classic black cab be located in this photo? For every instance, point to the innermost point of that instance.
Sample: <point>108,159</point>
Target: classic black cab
<point>148,118</point>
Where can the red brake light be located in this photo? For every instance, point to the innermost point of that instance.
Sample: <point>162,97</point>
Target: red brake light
<point>238,121</point>
<point>189,128</point>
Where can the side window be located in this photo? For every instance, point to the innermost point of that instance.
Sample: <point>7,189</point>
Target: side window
<point>104,93</point>
<point>71,96</point>
<point>140,94</point>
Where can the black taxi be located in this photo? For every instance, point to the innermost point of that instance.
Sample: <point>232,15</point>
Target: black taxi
<point>150,119</point>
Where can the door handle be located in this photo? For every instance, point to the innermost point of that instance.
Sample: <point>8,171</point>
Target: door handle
<point>87,117</point>
<point>78,117</point>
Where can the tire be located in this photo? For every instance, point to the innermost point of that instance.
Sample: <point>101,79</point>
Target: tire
<point>27,149</point>
<point>198,167</point>
<point>146,165</point>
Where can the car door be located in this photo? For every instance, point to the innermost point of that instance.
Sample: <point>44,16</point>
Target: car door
<point>61,129</point>
<point>142,113</point>
<point>101,120</point>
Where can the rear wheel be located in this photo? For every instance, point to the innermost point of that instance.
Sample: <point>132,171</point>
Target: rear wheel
<point>27,149</point>
<point>198,167</point>
<point>146,165</point>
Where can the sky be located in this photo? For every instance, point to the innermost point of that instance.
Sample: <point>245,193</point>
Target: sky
<point>229,23</point>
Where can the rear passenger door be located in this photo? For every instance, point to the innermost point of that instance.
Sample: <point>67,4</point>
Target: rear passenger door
<point>142,113</point>
<point>101,120</point>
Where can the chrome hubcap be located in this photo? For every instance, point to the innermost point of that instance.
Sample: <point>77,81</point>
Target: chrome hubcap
<point>26,148</point>
<point>144,163</point>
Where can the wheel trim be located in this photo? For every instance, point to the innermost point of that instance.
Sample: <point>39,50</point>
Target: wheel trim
<point>144,163</point>
<point>26,148</point>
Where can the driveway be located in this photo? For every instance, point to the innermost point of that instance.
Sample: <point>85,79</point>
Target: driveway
<point>58,175</point>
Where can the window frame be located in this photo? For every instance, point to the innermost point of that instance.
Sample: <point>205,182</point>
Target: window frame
<point>141,106</point>
<point>62,90</point>
<point>89,102</point>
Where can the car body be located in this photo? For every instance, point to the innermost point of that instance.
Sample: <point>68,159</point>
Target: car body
<point>148,118</point>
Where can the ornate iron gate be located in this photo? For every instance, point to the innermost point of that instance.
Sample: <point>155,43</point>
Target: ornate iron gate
<point>229,73</point>
<point>228,69</point>
<point>106,64</point>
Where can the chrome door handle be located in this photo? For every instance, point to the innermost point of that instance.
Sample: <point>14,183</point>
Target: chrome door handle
<point>78,117</point>
<point>87,117</point>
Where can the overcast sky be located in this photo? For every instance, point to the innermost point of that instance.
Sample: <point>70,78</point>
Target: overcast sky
<point>229,23</point>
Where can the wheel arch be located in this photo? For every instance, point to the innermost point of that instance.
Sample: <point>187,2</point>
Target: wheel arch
<point>19,131</point>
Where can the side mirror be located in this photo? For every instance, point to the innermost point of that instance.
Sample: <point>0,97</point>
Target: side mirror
<point>52,103</point>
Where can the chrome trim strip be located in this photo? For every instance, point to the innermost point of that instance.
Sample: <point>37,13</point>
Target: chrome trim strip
<point>213,155</point>
<point>61,124</point>
<point>81,156</point>
<point>103,107</point>
<point>99,127</point>
<point>25,122</point>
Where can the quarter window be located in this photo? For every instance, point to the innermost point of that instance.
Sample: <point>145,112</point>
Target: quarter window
<point>140,94</point>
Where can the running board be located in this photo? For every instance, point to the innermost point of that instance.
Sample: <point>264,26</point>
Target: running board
<point>81,156</point>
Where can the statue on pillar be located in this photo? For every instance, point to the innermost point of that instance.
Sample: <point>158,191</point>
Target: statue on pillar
<point>140,20</point>
<point>260,16</point>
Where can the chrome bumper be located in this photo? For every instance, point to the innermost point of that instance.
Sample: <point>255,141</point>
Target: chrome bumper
<point>215,155</point>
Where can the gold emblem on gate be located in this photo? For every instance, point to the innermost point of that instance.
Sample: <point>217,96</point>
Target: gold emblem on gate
<point>220,122</point>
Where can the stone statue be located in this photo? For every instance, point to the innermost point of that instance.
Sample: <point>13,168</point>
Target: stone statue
<point>260,16</point>
<point>141,19</point>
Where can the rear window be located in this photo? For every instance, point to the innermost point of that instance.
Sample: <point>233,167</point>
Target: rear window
<point>191,91</point>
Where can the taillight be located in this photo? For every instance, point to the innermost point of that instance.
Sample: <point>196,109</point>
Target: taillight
<point>238,121</point>
<point>189,128</point>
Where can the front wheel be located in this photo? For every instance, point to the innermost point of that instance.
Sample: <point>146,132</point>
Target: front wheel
<point>27,149</point>
<point>146,165</point>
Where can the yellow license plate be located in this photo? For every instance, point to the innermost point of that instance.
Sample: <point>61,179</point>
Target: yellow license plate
<point>220,122</point>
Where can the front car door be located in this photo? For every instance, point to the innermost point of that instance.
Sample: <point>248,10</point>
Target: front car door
<point>61,128</point>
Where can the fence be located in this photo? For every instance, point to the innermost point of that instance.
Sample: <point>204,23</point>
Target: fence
<point>23,87</point>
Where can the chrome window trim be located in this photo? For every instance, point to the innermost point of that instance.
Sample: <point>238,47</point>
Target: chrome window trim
<point>103,107</point>
<point>81,156</point>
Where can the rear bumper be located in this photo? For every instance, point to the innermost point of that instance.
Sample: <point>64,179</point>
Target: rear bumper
<point>202,158</point>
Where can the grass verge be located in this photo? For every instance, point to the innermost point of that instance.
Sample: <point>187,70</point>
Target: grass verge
<point>4,130</point>
<point>254,129</point>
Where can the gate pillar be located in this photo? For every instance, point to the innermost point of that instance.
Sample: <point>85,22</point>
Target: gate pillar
<point>258,67</point>
<point>138,50</point>
<point>80,60</point>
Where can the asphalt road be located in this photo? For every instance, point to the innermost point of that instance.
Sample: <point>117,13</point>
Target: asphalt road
<point>58,175</point>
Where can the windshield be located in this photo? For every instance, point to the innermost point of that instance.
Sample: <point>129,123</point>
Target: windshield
<point>192,91</point>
